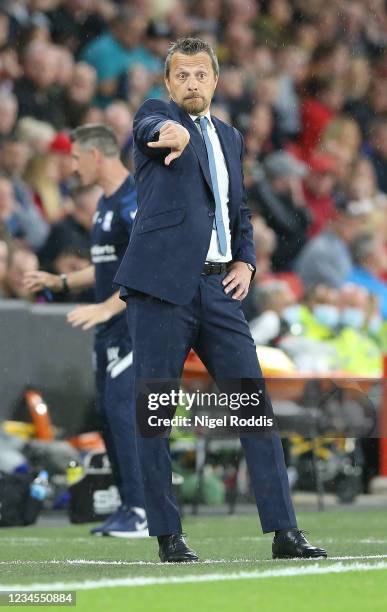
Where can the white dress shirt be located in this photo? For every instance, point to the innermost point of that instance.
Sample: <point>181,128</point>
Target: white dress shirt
<point>214,253</point>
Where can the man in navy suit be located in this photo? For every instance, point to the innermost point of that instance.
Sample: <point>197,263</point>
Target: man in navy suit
<point>188,265</point>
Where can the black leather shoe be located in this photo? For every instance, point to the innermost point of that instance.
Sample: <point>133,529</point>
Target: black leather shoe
<point>173,549</point>
<point>292,544</point>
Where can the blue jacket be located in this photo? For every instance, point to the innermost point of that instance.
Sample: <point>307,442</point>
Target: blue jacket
<point>362,277</point>
<point>171,233</point>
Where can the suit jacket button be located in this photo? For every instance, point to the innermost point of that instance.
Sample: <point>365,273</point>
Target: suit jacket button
<point>211,214</point>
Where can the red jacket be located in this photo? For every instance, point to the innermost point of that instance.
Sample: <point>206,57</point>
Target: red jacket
<point>314,118</point>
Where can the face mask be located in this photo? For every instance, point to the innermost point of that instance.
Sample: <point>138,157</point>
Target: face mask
<point>291,314</point>
<point>374,325</point>
<point>352,317</point>
<point>326,314</point>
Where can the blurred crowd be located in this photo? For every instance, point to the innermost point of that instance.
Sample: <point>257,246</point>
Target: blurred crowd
<point>303,80</point>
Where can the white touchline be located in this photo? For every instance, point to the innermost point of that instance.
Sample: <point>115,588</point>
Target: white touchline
<point>204,562</point>
<point>39,540</point>
<point>303,570</point>
<point>43,540</point>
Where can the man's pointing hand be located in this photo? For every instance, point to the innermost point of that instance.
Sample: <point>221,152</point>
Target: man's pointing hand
<point>172,136</point>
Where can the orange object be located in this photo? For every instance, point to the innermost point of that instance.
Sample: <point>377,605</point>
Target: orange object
<point>282,386</point>
<point>289,387</point>
<point>40,416</point>
<point>194,367</point>
<point>90,441</point>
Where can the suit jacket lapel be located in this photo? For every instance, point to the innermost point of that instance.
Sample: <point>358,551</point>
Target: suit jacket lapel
<point>197,142</point>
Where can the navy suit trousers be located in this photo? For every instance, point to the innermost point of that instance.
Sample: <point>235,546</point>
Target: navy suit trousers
<point>214,325</point>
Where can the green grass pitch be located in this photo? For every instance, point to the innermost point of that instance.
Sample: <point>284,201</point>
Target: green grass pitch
<point>236,572</point>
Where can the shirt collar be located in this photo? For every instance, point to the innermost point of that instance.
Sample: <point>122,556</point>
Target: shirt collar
<point>193,117</point>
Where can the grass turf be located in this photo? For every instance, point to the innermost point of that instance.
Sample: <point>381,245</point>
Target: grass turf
<point>67,554</point>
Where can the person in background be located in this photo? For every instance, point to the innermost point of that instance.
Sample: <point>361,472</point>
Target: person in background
<point>369,110</point>
<point>115,51</point>
<point>144,80</point>
<point>36,134</point>
<point>292,62</point>
<point>9,64</point>
<point>4,256</point>
<point>266,91</point>
<point>21,261</point>
<point>238,44</point>
<point>369,264</point>
<point>8,209</point>
<point>272,299</point>
<point>317,317</point>
<point>273,25</point>
<point>18,220</point>
<point>318,191</point>
<point>265,242</point>
<point>79,93</point>
<point>119,117</point>
<point>157,37</point>
<point>4,28</point>
<point>358,353</point>
<point>14,154</point>
<point>326,259</point>
<point>341,134</point>
<point>35,91</point>
<point>325,97</point>
<point>8,113</point>
<point>97,161</point>
<point>42,176</point>
<point>280,201</point>
<point>220,111</point>
<point>68,243</point>
<point>71,259</point>
<point>362,185</point>
<point>233,94</point>
<point>73,23</point>
<point>312,324</point>
<point>60,150</point>
<point>64,67</point>
<point>258,138</point>
<point>378,151</point>
<point>93,114</point>
<point>73,230</point>
<point>138,82</point>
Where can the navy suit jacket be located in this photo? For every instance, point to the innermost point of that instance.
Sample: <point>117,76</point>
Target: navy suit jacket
<point>172,229</point>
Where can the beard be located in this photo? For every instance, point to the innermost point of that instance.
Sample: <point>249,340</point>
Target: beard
<point>194,105</point>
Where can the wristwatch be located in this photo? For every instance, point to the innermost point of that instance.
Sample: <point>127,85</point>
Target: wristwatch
<point>250,267</point>
<point>65,286</point>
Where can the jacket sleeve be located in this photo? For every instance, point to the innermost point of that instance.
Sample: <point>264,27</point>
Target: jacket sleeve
<point>246,251</point>
<point>146,126</point>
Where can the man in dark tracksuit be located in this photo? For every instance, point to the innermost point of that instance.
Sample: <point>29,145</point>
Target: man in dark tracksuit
<point>96,157</point>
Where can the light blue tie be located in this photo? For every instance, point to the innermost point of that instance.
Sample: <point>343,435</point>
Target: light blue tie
<point>219,225</point>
